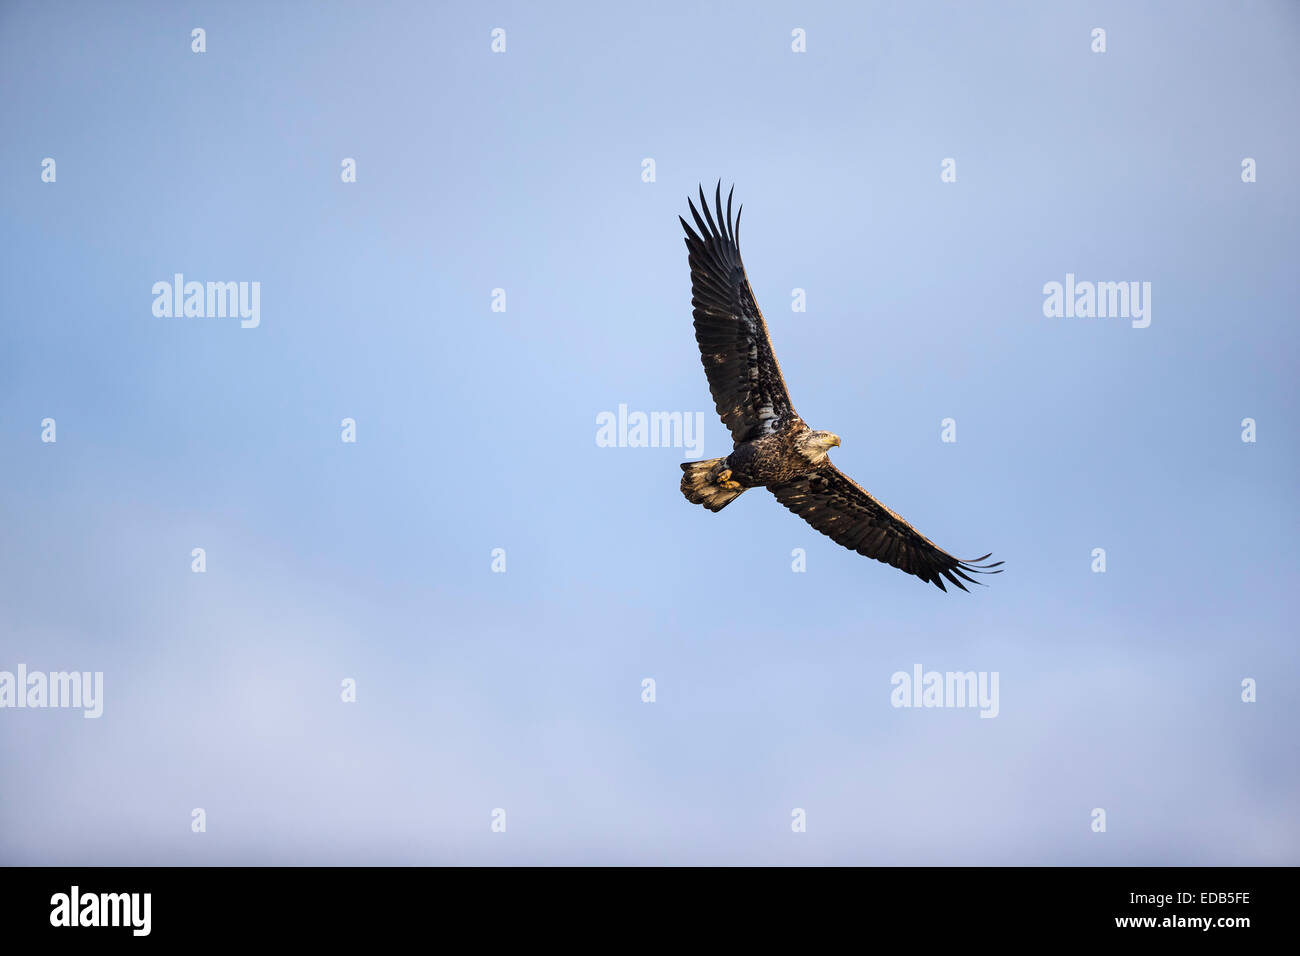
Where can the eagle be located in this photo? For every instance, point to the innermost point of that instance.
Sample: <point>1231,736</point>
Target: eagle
<point>773,448</point>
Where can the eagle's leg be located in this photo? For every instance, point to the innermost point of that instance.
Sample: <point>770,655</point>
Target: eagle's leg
<point>724,480</point>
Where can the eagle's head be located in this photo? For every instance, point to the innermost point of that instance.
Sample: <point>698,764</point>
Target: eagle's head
<point>815,445</point>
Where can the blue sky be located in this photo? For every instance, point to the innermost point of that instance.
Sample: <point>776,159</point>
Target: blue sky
<point>476,430</point>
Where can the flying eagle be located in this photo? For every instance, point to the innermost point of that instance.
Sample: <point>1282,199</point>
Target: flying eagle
<point>774,449</point>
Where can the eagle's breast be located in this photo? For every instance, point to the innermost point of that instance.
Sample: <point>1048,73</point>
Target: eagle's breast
<point>772,458</point>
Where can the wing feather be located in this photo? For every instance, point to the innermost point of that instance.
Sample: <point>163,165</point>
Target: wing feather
<point>744,378</point>
<point>844,511</point>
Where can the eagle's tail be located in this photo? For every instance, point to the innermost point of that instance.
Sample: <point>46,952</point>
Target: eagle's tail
<point>701,486</point>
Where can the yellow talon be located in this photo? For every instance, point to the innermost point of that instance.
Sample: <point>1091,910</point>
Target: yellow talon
<point>724,480</point>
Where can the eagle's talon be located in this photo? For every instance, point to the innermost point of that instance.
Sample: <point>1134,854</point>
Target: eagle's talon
<point>724,480</point>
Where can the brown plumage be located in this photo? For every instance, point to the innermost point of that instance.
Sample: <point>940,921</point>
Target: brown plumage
<point>774,449</point>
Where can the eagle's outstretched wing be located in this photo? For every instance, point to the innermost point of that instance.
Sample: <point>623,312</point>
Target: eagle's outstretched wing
<point>743,374</point>
<point>841,509</point>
